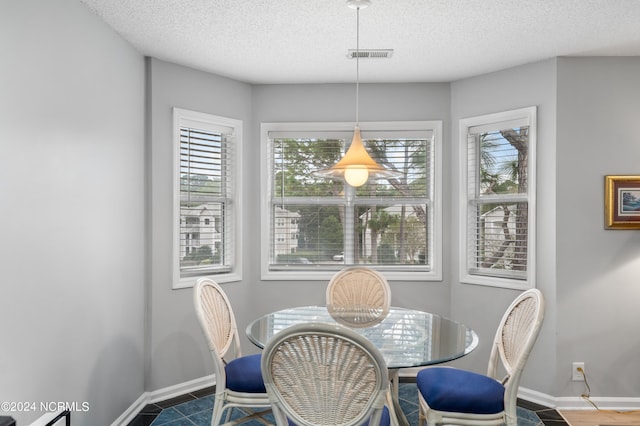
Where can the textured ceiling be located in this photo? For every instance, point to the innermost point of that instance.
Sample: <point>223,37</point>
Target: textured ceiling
<point>306,41</point>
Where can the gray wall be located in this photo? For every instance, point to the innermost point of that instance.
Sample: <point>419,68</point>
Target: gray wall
<point>336,102</point>
<point>75,175</point>
<point>72,211</point>
<point>590,301</point>
<point>588,290</point>
<point>597,291</point>
<point>482,307</point>
<point>588,111</point>
<point>177,349</point>
<point>178,352</point>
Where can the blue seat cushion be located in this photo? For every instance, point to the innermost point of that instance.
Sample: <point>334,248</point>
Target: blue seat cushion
<point>460,391</point>
<point>385,419</point>
<point>244,374</point>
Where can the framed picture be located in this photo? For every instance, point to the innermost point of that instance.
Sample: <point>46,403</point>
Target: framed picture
<point>622,202</point>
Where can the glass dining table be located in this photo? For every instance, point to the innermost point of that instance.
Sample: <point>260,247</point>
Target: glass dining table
<point>405,337</point>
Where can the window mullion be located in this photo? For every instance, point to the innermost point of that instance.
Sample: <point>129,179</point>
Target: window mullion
<point>349,226</point>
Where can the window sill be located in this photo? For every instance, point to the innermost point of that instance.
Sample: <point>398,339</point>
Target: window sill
<point>220,279</point>
<point>327,275</point>
<point>497,282</point>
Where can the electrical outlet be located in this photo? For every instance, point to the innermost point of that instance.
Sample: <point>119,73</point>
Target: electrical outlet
<point>577,371</point>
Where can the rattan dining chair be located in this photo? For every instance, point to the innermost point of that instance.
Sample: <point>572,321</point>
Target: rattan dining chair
<point>358,296</point>
<point>458,397</point>
<point>320,374</point>
<point>239,380</point>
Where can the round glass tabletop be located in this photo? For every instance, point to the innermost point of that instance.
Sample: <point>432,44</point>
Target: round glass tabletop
<point>406,337</point>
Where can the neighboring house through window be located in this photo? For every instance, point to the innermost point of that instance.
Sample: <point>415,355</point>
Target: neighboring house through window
<point>498,209</point>
<point>205,197</point>
<point>312,226</point>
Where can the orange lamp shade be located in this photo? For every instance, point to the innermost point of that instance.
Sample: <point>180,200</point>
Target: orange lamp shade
<point>357,166</point>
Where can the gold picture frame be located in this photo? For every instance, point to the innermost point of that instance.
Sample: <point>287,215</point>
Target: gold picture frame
<point>622,202</point>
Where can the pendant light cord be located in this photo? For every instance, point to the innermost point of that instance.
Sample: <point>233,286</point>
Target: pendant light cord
<point>357,66</point>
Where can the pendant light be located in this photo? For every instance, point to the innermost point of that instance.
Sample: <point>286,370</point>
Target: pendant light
<point>357,166</point>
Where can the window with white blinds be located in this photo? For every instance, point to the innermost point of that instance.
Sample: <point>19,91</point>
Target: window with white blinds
<point>313,226</point>
<point>497,246</point>
<point>205,196</point>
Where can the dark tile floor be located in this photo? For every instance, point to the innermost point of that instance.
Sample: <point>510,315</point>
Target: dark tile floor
<point>548,416</point>
<point>195,409</point>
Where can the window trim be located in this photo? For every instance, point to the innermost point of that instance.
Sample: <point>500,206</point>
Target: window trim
<point>265,199</point>
<point>486,122</point>
<point>206,121</point>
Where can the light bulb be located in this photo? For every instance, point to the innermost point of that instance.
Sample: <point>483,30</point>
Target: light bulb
<point>356,175</point>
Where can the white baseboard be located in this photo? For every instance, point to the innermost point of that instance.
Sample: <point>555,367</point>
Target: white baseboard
<point>162,395</point>
<point>559,403</point>
<point>182,388</point>
<point>537,397</point>
<point>579,403</point>
<point>604,403</point>
<point>133,410</point>
<point>409,372</point>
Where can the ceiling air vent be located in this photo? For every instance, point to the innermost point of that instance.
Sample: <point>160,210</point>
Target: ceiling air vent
<point>370,53</point>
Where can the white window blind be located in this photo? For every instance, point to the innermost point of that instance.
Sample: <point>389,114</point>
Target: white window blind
<point>322,225</point>
<point>205,178</point>
<point>498,239</point>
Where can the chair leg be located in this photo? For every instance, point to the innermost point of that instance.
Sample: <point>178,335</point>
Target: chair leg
<point>218,409</point>
<point>398,418</point>
<point>394,382</point>
<point>392,410</point>
<point>421,414</point>
<point>249,415</point>
<point>229,410</point>
<point>511,420</point>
